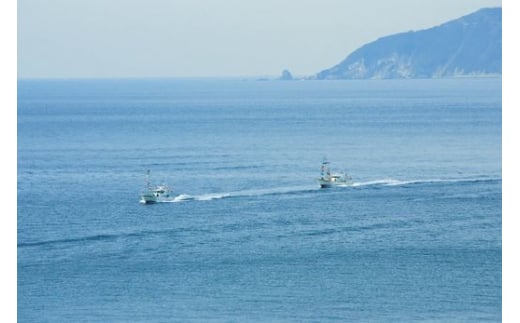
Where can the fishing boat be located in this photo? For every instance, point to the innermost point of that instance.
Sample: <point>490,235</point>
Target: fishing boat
<point>328,179</point>
<point>159,193</point>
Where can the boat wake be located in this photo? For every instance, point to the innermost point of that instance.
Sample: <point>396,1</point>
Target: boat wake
<point>315,189</point>
<point>243,193</point>
<point>396,182</point>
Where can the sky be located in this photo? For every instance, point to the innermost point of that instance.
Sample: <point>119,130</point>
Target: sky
<point>210,38</point>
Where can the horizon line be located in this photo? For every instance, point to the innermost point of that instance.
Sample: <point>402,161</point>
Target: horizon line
<point>248,78</point>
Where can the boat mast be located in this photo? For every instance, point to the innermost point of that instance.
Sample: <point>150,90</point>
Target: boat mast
<point>324,167</point>
<point>147,180</point>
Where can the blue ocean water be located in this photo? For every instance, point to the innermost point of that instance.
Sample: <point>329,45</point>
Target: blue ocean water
<point>250,236</point>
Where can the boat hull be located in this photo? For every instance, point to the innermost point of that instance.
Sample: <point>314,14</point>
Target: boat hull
<point>147,199</point>
<point>324,183</point>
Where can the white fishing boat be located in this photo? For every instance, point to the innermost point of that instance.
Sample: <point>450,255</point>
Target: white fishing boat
<point>159,193</point>
<point>328,179</point>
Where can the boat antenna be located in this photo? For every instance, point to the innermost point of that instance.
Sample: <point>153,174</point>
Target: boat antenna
<point>324,167</point>
<point>147,180</point>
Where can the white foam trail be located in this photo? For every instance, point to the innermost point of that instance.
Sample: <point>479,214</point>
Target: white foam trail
<point>395,182</point>
<point>183,197</point>
<point>296,189</point>
<point>209,197</point>
<point>244,193</point>
<point>388,181</point>
<point>178,198</point>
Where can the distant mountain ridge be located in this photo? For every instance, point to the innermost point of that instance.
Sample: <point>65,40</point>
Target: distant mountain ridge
<point>470,45</point>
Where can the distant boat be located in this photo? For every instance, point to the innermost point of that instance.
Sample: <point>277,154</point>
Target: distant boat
<point>159,193</point>
<point>329,179</point>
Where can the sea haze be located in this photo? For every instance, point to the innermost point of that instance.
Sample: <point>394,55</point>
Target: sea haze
<point>249,236</point>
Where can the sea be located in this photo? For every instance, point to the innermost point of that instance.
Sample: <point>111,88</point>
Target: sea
<point>248,234</point>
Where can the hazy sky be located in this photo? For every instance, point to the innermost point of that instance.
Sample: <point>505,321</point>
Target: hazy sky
<point>197,38</point>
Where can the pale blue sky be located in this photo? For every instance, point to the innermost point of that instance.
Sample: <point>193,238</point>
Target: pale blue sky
<point>199,38</point>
